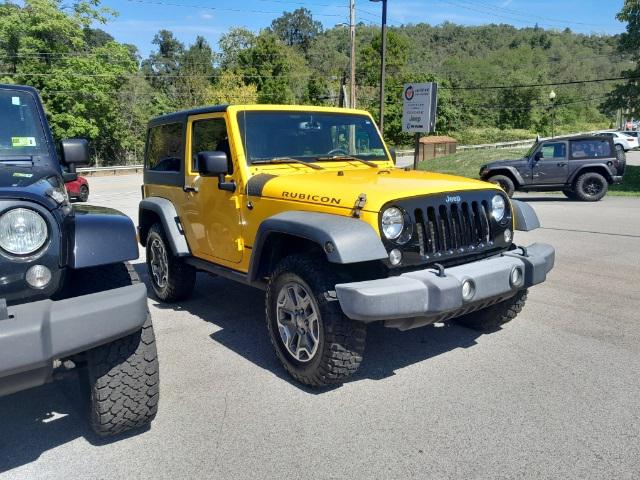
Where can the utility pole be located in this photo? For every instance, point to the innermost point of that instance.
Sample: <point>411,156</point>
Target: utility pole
<point>352,34</point>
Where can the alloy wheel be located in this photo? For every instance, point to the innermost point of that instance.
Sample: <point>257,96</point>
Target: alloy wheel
<point>298,321</point>
<point>159,263</point>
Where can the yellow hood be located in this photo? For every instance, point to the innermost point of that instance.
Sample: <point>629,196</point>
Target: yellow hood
<point>342,187</point>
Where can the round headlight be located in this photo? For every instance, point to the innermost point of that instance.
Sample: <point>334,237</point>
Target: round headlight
<point>22,231</point>
<point>498,207</point>
<point>392,223</point>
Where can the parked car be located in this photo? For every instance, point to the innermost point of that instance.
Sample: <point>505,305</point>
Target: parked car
<point>78,189</point>
<point>582,167</point>
<point>305,203</point>
<point>68,297</point>
<point>621,140</point>
<point>631,133</point>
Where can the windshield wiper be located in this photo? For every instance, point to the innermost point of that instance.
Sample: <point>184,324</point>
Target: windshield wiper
<point>347,157</point>
<point>277,160</point>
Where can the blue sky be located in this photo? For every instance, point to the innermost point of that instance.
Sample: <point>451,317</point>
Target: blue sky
<point>139,20</point>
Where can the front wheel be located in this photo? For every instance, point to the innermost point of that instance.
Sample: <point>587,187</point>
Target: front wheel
<point>84,193</point>
<point>491,318</point>
<point>505,183</point>
<point>315,342</point>
<point>123,375</point>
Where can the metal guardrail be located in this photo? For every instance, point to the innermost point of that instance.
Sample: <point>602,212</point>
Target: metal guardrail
<point>113,170</point>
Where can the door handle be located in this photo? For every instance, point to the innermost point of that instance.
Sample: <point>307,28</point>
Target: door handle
<point>561,164</point>
<point>190,189</point>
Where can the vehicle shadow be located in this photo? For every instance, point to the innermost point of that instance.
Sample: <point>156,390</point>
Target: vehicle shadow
<point>35,421</point>
<point>238,311</point>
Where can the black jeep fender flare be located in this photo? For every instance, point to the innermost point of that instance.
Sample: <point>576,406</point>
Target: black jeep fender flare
<point>344,240</point>
<point>152,209</point>
<point>592,167</point>
<point>101,236</point>
<point>509,171</point>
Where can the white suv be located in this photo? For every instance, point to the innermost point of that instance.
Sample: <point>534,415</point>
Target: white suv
<point>621,140</point>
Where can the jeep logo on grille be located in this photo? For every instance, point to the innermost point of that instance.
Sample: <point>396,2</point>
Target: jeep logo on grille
<point>453,199</point>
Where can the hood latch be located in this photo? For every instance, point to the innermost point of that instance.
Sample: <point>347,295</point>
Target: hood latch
<point>360,203</point>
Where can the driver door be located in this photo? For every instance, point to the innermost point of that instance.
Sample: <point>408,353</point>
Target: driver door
<point>552,166</point>
<point>212,219</point>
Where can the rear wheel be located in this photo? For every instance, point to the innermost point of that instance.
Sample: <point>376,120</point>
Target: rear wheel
<point>83,196</point>
<point>123,375</point>
<point>591,187</point>
<point>315,342</point>
<point>171,278</point>
<point>491,318</point>
<point>505,183</point>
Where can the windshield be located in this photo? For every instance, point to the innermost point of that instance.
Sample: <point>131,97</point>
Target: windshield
<point>309,136</point>
<point>21,132</point>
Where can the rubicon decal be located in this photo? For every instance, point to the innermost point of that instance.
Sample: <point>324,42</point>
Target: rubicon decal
<point>310,197</point>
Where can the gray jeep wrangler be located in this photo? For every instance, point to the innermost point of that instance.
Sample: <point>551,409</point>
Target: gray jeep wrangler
<point>68,299</point>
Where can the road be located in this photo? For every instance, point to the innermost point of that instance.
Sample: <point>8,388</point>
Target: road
<point>555,394</point>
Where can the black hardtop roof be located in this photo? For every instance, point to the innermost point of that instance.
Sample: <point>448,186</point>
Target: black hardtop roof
<point>584,136</point>
<point>181,116</point>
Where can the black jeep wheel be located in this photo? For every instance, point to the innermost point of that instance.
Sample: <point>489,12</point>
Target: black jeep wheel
<point>123,375</point>
<point>491,318</point>
<point>171,278</point>
<point>505,183</point>
<point>83,196</point>
<point>591,187</point>
<point>315,342</point>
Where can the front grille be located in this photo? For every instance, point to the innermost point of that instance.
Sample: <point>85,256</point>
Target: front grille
<point>450,228</point>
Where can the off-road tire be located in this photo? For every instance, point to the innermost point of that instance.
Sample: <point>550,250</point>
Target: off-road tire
<point>83,196</point>
<point>341,340</point>
<point>503,182</point>
<point>570,194</point>
<point>123,375</point>
<point>581,187</point>
<point>492,318</point>
<point>180,277</point>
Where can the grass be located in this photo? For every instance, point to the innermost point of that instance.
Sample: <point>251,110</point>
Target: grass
<point>467,164</point>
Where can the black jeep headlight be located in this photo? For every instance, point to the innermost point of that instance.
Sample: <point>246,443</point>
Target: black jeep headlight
<point>498,207</point>
<point>395,225</point>
<point>22,231</point>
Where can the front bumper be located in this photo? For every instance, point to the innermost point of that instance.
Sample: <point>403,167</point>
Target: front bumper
<point>421,297</point>
<point>36,333</point>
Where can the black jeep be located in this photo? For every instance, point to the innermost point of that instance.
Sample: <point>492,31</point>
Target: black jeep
<point>67,296</point>
<point>582,167</point>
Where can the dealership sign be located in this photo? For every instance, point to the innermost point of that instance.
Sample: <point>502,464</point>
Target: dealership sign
<point>420,106</point>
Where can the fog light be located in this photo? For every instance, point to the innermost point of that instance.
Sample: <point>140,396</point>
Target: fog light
<point>395,257</point>
<point>508,236</point>
<point>468,290</point>
<point>38,276</point>
<point>517,277</point>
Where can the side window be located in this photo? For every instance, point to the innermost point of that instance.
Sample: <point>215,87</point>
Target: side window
<point>553,150</point>
<point>209,136</point>
<point>590,148</point>
<point>164,149</point>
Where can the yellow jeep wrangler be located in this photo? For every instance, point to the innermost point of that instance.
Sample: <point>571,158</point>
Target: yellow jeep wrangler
<point>306,203</point>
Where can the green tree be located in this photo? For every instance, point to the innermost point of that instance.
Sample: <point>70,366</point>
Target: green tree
<point>297,29</point>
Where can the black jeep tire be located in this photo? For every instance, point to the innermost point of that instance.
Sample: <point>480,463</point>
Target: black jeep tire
<point>491,318</point>
<point>570,194</point>
<point>123,376</point>
<point>339,341</point>
<point>591,187</point>
<point>503,182</point>
<point>171,278</point>
<point>83,196</point>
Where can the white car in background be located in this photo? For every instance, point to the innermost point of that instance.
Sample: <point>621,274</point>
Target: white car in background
<point>621,140</point>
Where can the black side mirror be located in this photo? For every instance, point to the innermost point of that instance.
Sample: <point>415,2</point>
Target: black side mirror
<point>215,164</point>
<point>393,153</point>
<point>75,151</point>
<point>538,155</point>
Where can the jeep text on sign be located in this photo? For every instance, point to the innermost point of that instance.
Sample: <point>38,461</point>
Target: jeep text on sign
<point>420,103</point>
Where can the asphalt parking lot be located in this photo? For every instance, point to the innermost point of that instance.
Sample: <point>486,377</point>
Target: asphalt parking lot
<point>555,394</point>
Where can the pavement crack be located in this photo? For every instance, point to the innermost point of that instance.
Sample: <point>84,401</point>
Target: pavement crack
<point>628,235</point>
